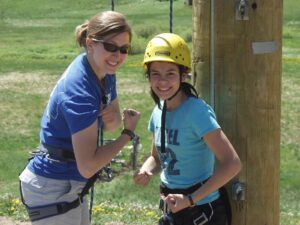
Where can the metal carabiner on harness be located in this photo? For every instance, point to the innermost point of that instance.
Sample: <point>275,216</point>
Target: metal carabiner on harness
<point>136,146</point>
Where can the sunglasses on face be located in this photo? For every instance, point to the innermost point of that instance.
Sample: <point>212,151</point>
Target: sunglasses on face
<point>112,47</point>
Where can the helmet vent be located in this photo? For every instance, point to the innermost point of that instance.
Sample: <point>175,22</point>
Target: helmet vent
<point>166,53</point>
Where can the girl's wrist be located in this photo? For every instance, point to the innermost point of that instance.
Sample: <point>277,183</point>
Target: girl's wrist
<point>191,200</point>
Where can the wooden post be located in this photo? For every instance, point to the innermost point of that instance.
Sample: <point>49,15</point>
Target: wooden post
<point>237,67</point>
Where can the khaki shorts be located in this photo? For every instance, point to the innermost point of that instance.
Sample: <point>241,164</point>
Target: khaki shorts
<point>40,191</point>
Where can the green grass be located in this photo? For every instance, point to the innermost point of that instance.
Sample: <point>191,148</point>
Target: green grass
<point>37,43</point>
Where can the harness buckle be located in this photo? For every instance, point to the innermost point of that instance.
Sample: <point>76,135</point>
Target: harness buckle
<point>202,219</point>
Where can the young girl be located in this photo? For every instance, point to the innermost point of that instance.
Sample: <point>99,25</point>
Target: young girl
<point>53,185</point>
<point>186,139</point>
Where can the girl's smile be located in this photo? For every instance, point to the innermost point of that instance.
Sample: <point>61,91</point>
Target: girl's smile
<point>164,79</point>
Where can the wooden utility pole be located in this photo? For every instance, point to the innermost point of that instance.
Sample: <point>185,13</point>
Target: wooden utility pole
<point>237,69</point>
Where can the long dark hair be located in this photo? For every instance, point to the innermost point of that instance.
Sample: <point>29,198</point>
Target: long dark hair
<point>187,88</point>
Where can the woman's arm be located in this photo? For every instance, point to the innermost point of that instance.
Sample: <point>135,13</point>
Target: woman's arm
<point>90,158</point>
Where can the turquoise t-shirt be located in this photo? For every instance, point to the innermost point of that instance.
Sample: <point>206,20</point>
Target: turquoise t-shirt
<point>188,160</point>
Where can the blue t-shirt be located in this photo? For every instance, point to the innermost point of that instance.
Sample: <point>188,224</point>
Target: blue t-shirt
<point>74,105</point>
<point>188,160</point>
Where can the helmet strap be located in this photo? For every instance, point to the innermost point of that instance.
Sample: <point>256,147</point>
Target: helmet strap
<point>163,120</point>
<point>162,127</point>
<point>169,99</point>
<point>180,79</point>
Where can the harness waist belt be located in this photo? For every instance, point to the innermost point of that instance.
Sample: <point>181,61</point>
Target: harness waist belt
<point>165,190</point>
<point>57,153</point>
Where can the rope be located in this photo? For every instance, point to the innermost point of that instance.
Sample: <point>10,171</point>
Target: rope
<point>171,16</point>
<point>112,5</point>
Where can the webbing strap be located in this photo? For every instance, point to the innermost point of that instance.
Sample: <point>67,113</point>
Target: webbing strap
<point>88,185</point>
<point>163,130</point>
<point>56,153</point>
<point>43,212</point>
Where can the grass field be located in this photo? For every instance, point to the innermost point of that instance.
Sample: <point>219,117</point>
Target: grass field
<point>37,43</point>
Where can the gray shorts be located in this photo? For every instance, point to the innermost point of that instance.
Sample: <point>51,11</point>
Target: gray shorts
<point>39,191</point>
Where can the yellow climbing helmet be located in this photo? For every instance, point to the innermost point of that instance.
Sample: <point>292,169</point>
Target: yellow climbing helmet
<point>168,47</point>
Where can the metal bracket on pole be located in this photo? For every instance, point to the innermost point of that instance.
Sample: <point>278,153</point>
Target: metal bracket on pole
<point>238,191</point>
<point>242,10</point>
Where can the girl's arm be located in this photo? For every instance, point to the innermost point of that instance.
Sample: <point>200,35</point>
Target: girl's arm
<point>228,165</point>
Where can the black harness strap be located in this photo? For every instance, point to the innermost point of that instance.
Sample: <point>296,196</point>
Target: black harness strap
<point>163,124</point>
<point>43,212</point>
<point>165,190</point>
<point>56,153</point>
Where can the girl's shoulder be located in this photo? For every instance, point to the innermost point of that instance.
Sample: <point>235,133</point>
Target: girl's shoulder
<point>198,107</point>
<point>197,103</point>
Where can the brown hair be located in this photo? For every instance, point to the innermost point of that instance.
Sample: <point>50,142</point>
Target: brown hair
<point>102,25</point>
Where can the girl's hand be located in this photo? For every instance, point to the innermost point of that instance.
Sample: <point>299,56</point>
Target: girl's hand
<point>142,178</point>
<point>176,202</point>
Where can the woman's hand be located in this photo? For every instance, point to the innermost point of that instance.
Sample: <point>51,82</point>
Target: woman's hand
<point>108,114</point>
<point>130,119</point>
<point>111,116</point>
<point>142,178</point>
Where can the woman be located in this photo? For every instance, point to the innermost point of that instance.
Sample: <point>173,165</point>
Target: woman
<point>53,185</point>
<point>186,140</point>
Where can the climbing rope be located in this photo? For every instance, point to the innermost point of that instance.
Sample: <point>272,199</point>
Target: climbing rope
<point>112,5</point>
<point>171,16</point>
